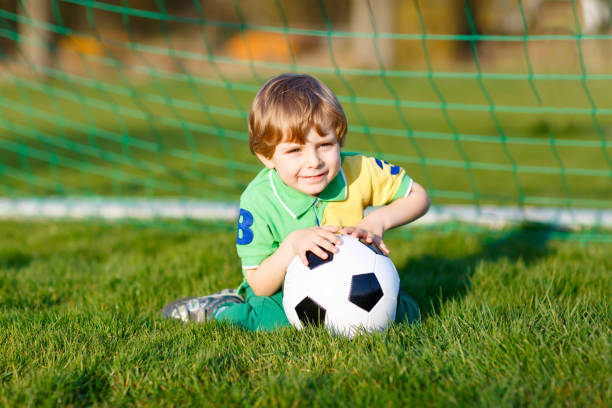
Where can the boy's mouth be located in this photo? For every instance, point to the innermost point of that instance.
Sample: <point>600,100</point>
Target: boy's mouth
<point>314,178</point>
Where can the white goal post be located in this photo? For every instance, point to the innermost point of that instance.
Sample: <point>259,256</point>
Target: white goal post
<point>169,208</point>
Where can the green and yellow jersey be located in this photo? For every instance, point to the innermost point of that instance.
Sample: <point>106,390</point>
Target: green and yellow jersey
<point>270,210</point>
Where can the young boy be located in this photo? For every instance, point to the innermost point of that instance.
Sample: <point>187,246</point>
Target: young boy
<point>307,193</point>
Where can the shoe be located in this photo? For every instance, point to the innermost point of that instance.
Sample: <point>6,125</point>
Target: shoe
<point>199,309</point>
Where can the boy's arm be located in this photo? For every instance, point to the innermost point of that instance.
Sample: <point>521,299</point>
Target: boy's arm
<point>268,277</point>
<point>400,212</point>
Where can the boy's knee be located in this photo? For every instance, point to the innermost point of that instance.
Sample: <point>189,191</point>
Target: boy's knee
<point>263,313</point>
<point>407,309</point>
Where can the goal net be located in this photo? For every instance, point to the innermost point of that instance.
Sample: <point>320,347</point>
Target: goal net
<point>137,109</point>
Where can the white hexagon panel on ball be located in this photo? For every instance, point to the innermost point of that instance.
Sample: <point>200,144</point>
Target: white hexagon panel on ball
<point>351,291</point>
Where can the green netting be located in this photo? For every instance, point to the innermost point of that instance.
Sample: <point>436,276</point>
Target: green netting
<point>483,102</point>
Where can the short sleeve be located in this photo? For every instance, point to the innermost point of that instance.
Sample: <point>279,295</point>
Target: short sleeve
<point>254,239</point>
<point>389,182</point>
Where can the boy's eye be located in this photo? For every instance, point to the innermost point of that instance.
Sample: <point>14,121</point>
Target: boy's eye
<point>294,150</point>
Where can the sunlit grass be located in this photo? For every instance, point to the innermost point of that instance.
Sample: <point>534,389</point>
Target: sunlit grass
<point>508,320</point>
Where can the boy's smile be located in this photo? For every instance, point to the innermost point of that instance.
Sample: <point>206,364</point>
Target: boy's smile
<point>307,167</point>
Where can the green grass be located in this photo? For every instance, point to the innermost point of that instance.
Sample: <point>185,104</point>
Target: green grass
<point>511,318</point>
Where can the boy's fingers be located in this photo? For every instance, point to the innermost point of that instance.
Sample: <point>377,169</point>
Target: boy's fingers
<point>357,234</point>
<point>332,238</point>
<point>384,248</point>
<point>332,228</point>
<point>325,244</point>
<point>319,252</point>
<point>304,259</point>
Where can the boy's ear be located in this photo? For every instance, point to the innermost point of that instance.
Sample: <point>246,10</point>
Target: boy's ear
<point>266,162</point>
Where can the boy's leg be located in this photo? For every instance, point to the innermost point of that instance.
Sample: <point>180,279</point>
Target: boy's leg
<point>407,309</point>
<point>257,313</point>
<point>267,313</point>
<point>200,309</point>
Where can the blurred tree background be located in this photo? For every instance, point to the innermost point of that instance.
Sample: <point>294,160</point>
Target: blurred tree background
<point>240,29</point>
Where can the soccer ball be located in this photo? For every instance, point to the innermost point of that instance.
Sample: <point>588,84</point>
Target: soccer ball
<point>351,291</point>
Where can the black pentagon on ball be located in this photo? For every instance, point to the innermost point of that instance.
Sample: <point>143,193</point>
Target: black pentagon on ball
<point>314,261</point>
<point>373,247</point>
<point>365,291</point>
<point>310,312</point>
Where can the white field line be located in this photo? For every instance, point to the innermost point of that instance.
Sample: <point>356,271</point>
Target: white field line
<point>145,209</point>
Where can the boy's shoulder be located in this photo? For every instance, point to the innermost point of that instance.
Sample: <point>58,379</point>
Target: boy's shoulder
<point>260,181</point>
<point>361,163</point>
<point>258,190</point>
<point>355,162</point>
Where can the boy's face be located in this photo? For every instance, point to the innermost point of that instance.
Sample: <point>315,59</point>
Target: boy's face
<point>307,167</point>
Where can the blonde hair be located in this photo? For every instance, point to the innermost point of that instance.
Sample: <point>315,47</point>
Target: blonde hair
<point>287,107</point>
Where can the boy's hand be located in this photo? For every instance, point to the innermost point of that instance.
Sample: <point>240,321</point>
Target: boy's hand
<point>367,236</point>
<point>315,240</point>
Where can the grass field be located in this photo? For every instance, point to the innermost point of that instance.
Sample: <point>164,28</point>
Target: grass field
<point>510,319</point>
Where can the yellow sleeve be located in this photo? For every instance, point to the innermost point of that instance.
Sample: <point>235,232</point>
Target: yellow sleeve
<point>388,181</point>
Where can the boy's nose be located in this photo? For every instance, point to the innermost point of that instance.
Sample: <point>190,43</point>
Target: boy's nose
<point>313,159</point>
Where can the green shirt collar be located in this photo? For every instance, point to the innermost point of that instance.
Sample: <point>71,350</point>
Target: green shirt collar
<point>297,203</point>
